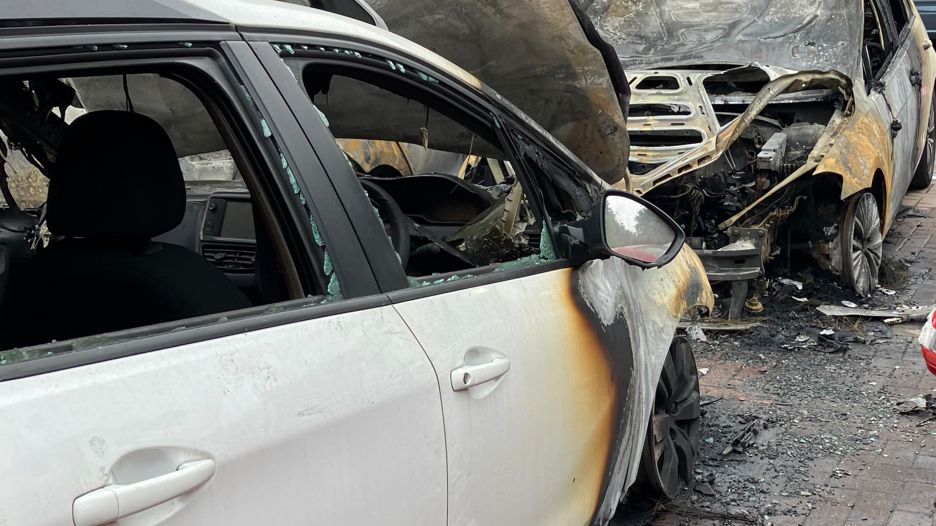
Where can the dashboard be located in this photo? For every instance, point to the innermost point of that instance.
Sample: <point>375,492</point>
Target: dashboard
<point>220,227</point>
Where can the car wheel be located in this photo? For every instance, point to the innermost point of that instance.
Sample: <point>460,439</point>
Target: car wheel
<point>673,431</point>
<point>924,172</point>
<point>862,243</point>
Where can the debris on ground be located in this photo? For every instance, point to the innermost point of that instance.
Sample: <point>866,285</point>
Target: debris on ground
<point>745,438</point>
<point>908,212</point>
<point>894,273</point>
<point>706,489</point>
<point>791,283</point>
<point>694,332</point>
<point>914,404</point>
<point>716,325</point>
<point>917,404</point>
<point>890,316</point>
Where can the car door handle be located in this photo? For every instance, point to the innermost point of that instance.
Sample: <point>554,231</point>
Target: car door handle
<point>107,504</point>
<point>471,375</point>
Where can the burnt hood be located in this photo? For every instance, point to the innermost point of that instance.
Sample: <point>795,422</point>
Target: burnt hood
<point>793,34</point>
<point>544,56</point>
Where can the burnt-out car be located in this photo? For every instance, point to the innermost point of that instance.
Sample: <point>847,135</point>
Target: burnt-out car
<point>210,313</point>
<point>774,128</point>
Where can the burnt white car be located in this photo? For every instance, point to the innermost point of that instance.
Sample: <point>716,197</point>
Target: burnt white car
<point>211,314</point>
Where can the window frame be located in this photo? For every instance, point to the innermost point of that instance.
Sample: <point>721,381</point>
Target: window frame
<point>453,92</point>
<point>233,85</point>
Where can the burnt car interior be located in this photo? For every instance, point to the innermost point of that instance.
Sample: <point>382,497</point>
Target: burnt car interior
<point>111,220</point>
<point>449,199</point>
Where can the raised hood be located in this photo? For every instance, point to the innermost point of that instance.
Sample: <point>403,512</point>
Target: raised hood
<point>540,56</point>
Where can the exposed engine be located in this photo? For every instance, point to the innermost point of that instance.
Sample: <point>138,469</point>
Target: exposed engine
<point>767,152</point>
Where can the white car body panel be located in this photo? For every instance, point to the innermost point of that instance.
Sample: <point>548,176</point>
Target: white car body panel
<point>530,447</point>
<point>329,421</point>
<point>558,438</point>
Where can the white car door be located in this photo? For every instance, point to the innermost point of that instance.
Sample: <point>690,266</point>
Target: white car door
<point>333,420</point>
<point>534,445</point>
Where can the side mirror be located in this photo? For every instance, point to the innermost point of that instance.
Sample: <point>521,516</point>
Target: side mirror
<point>625,226</point>
<point>638,232</point>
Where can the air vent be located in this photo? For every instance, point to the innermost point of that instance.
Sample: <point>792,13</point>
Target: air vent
<point>658,83</point>
<point>231,259</point>
<point>659,110</point>
<point>665,137</point>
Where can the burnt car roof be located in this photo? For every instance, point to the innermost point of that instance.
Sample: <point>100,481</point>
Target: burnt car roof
<point>793,34</point>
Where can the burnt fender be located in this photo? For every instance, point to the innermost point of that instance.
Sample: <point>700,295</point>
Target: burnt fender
<point>634,313</point>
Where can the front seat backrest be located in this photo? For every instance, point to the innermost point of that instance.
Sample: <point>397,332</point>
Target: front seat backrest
<point>117,183</point>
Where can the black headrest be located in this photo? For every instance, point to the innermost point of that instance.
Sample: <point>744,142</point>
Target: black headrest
<point>116,175</point>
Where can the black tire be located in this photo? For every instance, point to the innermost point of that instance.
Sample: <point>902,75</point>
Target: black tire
<point>924,172</point>
<point>862,243</point>
<point>672,441</point>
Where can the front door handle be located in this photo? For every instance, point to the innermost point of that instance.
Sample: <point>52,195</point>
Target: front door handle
<point>110,503</point>
<point>476,374</point>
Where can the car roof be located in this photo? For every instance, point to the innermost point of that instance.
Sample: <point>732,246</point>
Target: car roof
<point>56,12</point>
<point>243,14</point>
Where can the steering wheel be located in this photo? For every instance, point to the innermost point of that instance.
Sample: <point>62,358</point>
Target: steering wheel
<point>395,222</point>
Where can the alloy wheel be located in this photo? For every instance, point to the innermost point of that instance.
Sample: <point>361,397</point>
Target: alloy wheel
<point>862,243</point>
<point>673,432</point>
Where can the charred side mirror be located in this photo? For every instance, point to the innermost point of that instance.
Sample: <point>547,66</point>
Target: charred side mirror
<point>625,226</point>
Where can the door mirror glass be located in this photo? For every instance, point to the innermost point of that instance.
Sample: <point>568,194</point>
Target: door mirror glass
<point>637,231</point>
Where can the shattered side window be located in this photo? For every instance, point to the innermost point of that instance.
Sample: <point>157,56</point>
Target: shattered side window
<point>437,176</point>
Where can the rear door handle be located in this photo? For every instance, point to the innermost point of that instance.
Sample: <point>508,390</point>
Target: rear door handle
<point>494,366</point>
<point>110,503</point>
